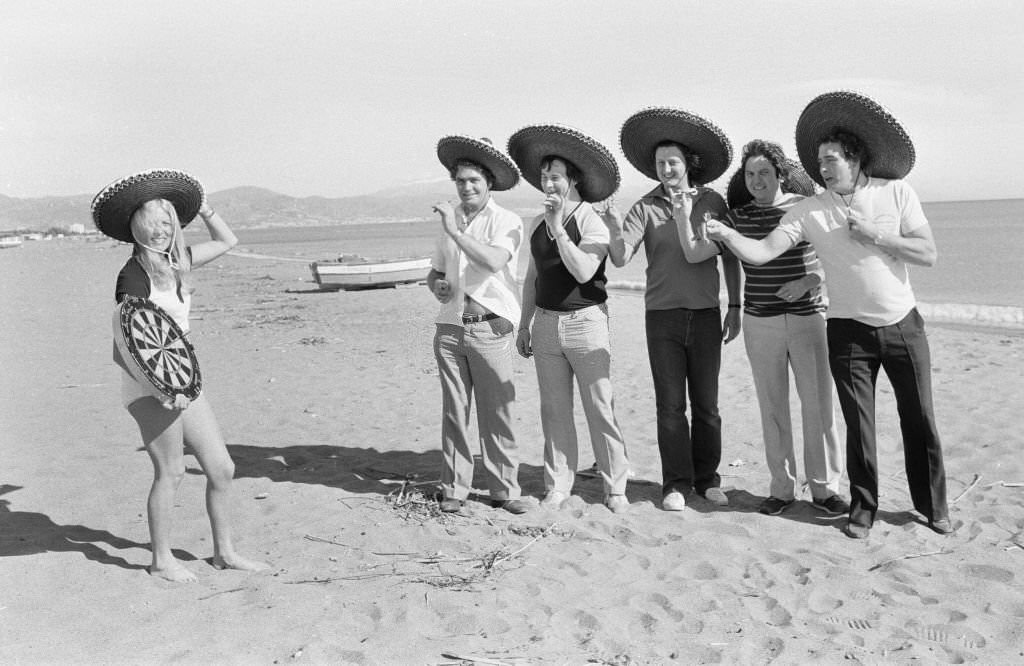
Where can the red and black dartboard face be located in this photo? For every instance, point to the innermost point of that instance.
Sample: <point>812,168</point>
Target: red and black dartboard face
<point>160,354</point>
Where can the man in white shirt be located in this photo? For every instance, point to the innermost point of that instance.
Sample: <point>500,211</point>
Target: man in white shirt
<point>473,276</point>
<point>866,230</point>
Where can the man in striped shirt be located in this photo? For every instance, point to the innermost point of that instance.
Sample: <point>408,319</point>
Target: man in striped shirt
<point>783,327</point>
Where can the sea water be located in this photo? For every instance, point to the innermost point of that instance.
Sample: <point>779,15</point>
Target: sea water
<point>979,243</point>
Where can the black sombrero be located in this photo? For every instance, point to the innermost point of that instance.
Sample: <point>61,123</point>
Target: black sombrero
<point>890,150</point>
<point>599,173</point>
<point>797,182</point>
<point>112,208</point>
<point>451,149</point>
<point>645,129</point>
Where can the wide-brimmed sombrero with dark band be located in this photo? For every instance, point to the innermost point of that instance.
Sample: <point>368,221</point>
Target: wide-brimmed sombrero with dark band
<point>890,150</point>
<point>645,129</point>
<point>599,172</point>
<point>112,208</point>
<point>451,149</point>
<point>797,181</point>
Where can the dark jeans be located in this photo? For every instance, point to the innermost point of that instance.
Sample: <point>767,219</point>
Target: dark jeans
<point>856,352</point>
<point>685,350</point>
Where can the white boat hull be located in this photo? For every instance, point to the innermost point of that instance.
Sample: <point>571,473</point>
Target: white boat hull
<point>369,274</point>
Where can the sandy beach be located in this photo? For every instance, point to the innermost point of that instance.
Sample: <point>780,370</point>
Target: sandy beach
<point>330,405</point>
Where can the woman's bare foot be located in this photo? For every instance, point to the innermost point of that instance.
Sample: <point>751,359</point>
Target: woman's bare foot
<point>174,572</point>
<point>235,561</point>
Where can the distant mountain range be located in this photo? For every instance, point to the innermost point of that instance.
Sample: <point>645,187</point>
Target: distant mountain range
<point>255,206</point>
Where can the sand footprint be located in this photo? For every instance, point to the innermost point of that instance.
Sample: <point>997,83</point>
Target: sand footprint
<point>768,610</point>
<point>819,601</point>
<point>946,634</point>
<point>665,604</point>
<point>988,572</point>
<point>858,624</point>
<point>656,609</point>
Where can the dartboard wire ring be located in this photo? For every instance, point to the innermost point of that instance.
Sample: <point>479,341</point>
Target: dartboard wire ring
<point>162,355</point>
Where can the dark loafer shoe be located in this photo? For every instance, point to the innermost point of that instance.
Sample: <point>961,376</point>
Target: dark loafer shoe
<point>514,506</point>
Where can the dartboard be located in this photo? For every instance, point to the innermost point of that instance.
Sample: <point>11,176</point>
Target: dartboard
<point>155,349</point>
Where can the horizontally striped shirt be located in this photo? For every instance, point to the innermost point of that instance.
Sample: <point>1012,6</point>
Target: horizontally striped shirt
<point>759,299</point>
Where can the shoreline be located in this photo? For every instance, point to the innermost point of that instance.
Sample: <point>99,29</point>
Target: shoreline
<point>1006,318</point>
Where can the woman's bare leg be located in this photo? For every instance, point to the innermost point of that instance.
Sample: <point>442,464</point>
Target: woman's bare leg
<point>161,431</point>
<point>202,433</point>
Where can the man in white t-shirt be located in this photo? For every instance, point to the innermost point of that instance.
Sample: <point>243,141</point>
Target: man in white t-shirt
<point>866,230</point>
<point>473,276</point>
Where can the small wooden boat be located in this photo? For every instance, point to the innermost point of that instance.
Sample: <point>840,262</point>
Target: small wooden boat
<point>352,272</point>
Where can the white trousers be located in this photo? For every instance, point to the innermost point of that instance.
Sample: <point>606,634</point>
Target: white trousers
<point>774,345</point>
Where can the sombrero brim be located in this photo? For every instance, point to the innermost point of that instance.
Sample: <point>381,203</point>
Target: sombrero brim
<point>645,129</point>
<point>599,172</point>
<point>797,182</point>
<point>890,151</point>
<point>451,149</point>
<point>112,208</point>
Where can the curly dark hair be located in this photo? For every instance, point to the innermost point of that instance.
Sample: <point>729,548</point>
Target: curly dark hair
<point>769,150</point>
<point>470,164</point>
<point>853,148</point>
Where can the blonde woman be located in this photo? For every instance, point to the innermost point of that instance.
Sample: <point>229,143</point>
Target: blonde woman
<point>149,210</point>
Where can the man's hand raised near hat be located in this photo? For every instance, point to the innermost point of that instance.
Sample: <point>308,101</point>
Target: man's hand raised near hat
<point>449,220</point>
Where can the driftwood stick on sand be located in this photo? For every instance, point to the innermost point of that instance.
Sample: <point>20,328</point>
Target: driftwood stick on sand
<point>909,557</point>
<point>311,537</point>
<point>476,659</point>
<point>217,594</point>
<point>977,477</point>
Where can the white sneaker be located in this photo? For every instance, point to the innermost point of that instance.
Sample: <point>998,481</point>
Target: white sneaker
<point>674,501</point>
<point>553,499</point>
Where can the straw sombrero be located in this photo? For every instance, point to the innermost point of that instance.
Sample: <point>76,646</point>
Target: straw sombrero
<point>112,208</point>
<point>890,150</point>
<point>645,129</point>
<point>797,182</point>
<point>599,173</point>
<point>451,149</point>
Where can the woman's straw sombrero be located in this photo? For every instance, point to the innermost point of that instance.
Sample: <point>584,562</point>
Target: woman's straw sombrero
<point>112,208</point>
<point>797,181</point>
<point>890,150</point>
<point>451,149</point>
<point>599,173</point>
<point>645,129</point>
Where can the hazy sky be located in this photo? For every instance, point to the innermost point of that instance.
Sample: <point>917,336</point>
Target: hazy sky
<point>349,97</point>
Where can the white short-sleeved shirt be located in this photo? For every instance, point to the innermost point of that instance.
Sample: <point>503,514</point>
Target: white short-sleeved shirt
<point>498,291</point>
<point>864,282</point>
